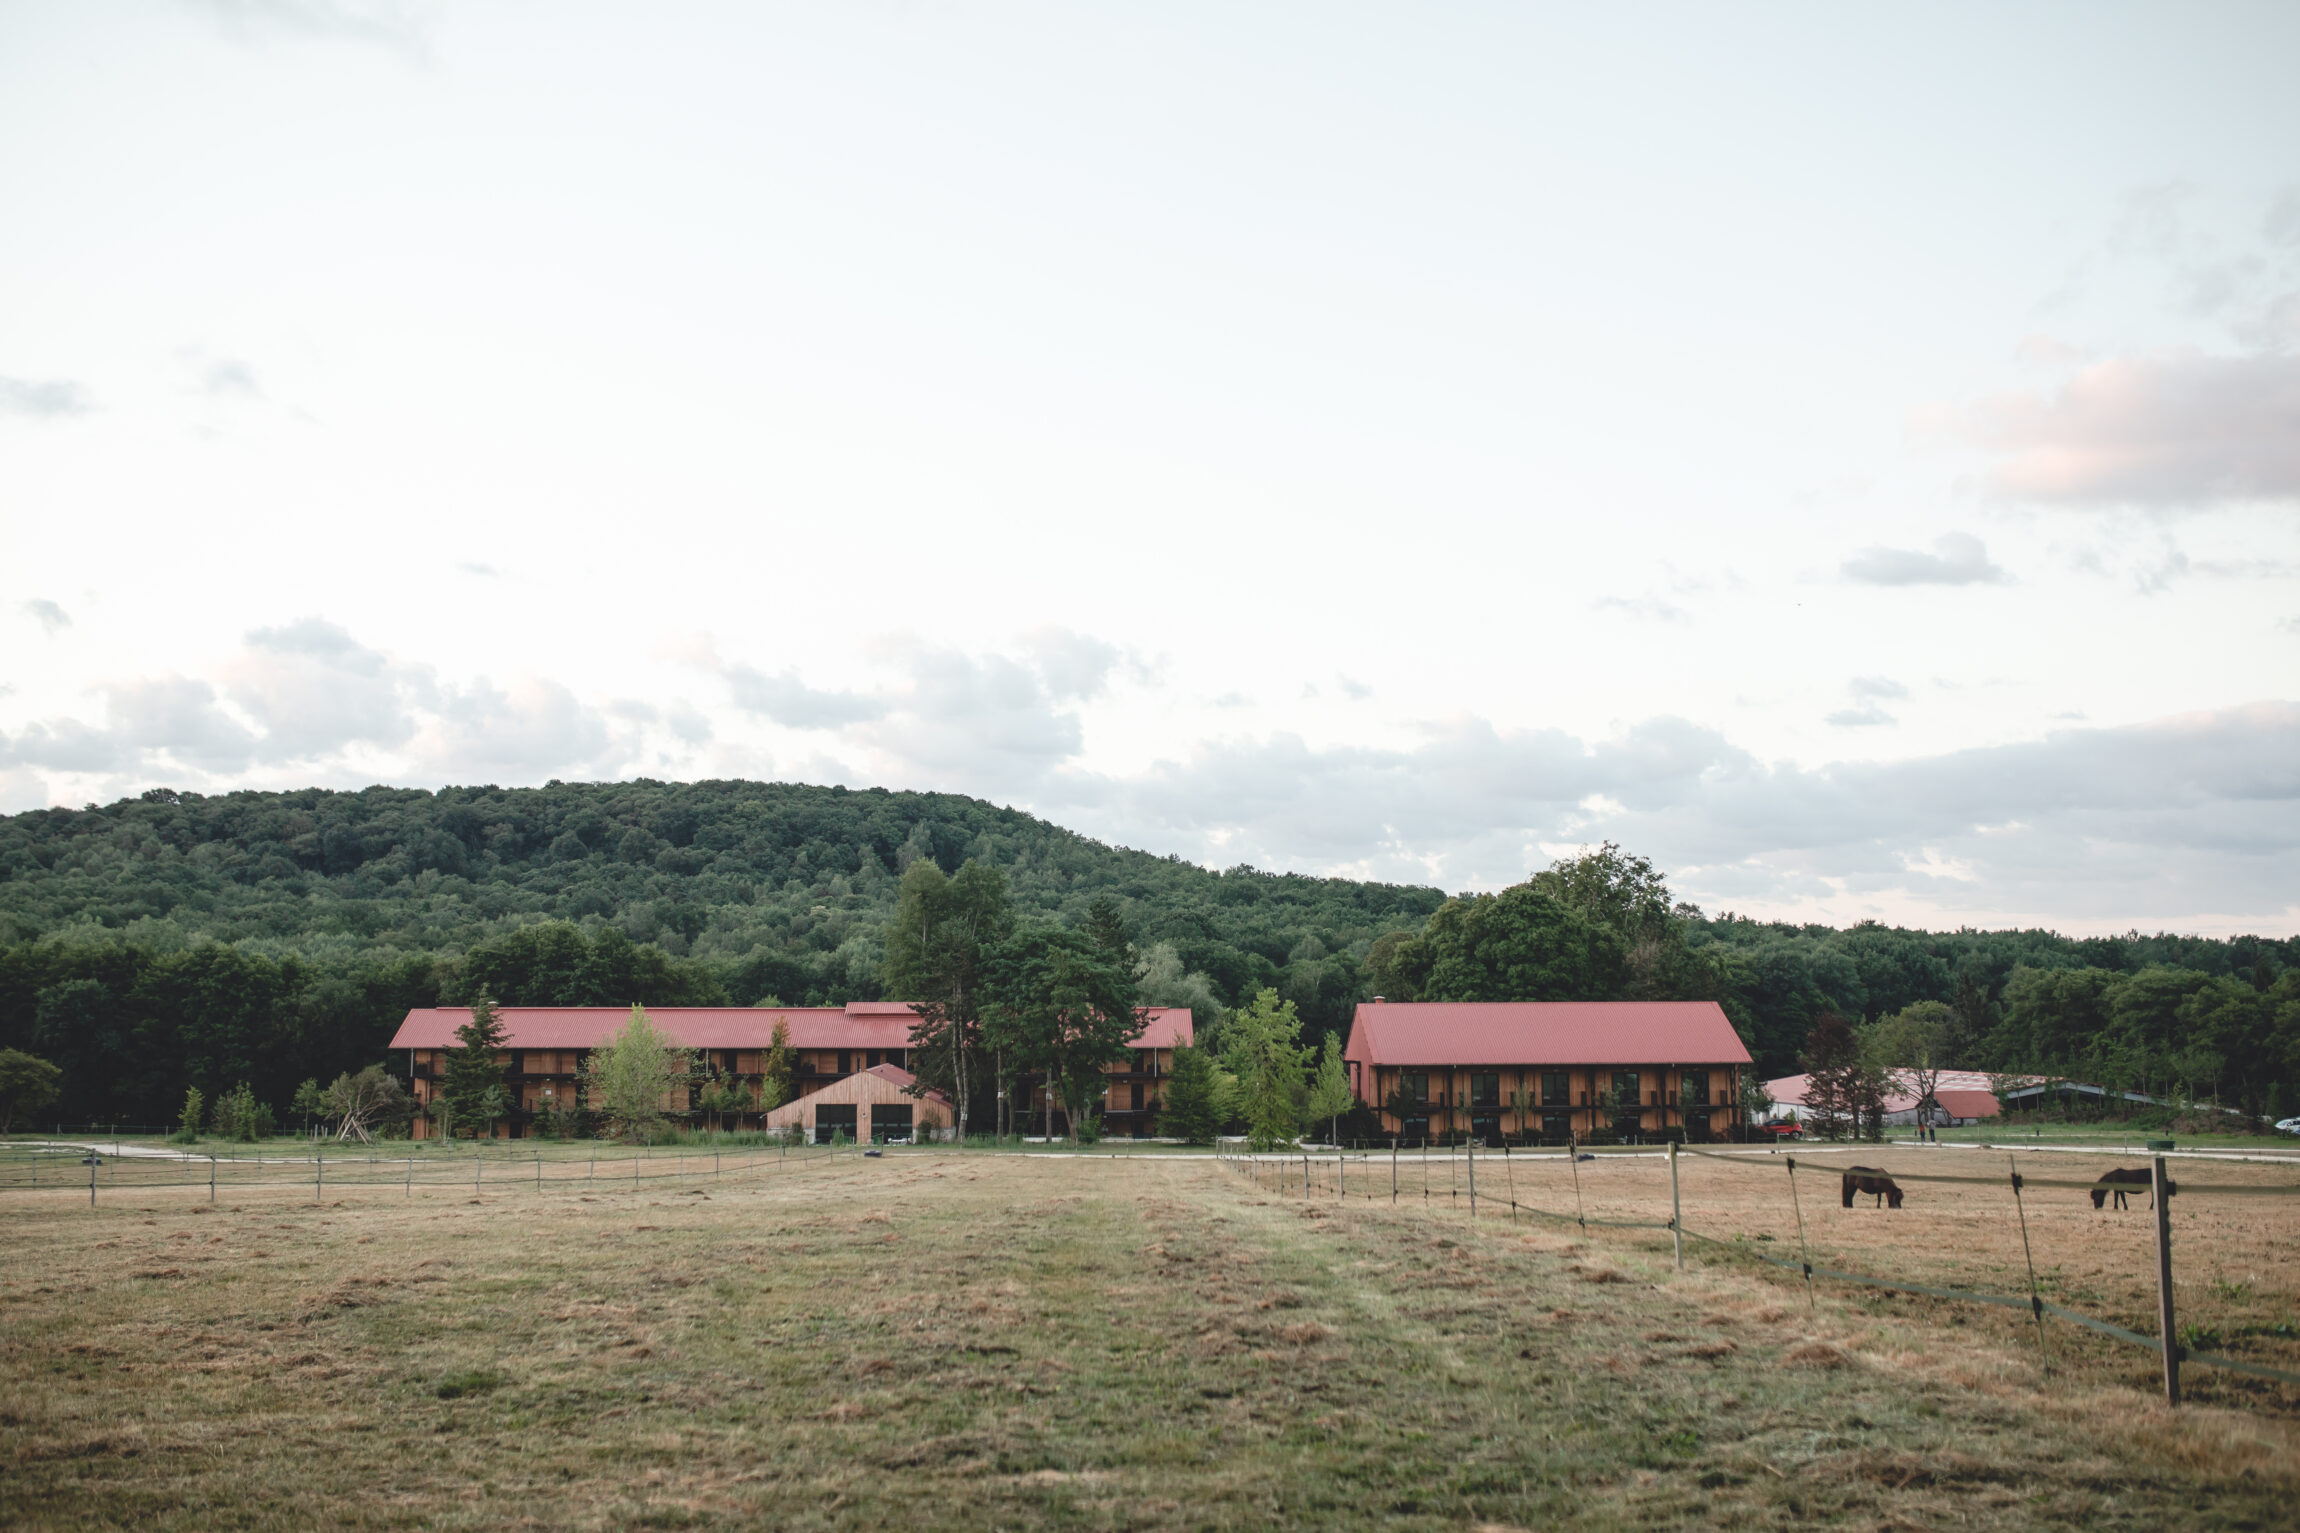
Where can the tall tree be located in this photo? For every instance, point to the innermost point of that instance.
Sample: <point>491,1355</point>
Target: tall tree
<point>780,1063</point>
<point>631,1081</point>
<point>1522,944</point>
<point>473,1084</point>
<point>1261,1045</point>
<point>1832,1070</point>
<point>1065,1006</point>
<point>1914,1045</point>
<point>1330,1094</point>
<point>935,949</point>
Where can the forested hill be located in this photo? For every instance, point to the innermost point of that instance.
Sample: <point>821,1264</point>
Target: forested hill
<point>180,939</point>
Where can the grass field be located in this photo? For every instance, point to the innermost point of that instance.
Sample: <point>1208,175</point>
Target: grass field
<point>977,1341</point>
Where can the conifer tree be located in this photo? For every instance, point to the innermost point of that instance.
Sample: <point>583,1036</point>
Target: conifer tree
<point>473,1086</point>
<point>1190,1109</point>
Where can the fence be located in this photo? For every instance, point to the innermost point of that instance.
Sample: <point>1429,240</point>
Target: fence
<point>60,1167</point>
<point>1385,1178</point>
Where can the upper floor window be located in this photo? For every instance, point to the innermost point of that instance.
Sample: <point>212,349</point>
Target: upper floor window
<point>1485,1090</point>
<point>1626,1089</point>
<point>1556,1089</point>
<point>1414,1086</point>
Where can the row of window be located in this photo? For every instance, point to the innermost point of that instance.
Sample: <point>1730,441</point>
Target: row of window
<point>1556,1089</point>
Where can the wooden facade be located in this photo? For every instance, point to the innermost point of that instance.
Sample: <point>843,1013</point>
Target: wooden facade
<point>549,1047</point>
<point>1557,1104</point>
<point>1548,1072</point>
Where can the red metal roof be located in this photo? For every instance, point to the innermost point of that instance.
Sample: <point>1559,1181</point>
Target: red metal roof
<point>1391,1034</point>
<point>1969,1104</point>
<point>856,1025</point>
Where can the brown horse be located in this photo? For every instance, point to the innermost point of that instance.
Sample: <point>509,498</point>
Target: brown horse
<point>1870,1179</point>
<point>2114,1183</point>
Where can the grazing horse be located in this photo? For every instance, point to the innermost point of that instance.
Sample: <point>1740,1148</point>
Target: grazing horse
<point>2114,1183</point>
<point>1870,1179</point>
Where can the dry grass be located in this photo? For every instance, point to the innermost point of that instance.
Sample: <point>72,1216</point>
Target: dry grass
<point>965,1341</point>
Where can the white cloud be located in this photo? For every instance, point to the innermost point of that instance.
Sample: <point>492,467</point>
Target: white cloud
<point>42,397</point>
<point>51,618</point>
<point>1957,559</point>
<point>2173,428</point>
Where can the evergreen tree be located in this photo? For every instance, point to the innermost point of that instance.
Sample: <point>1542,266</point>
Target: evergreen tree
<point>1191,1108</point>
<point>475,1068</point>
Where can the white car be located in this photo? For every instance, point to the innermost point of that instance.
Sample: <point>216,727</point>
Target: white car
<point>2288,1126</point>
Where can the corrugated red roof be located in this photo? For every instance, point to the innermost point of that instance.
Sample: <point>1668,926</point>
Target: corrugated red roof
<point>1969,1104</point>
<point>1393,1034</point>
<point>856,1025</point>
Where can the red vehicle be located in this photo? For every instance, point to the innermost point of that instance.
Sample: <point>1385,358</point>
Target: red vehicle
<point>1786,1130</point>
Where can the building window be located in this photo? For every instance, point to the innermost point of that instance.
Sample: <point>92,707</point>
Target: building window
<point>1485,1090</point>
<point>872,1059</point>
<point>1626,1088</point>
<point>1556,1089</point>
<point>1557,1127</point>
<point>1693,1088</point>
<point>1414,1086</point>
<point>843,1056</point>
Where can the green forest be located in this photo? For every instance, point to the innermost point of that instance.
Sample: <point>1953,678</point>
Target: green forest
<point>180,940</point>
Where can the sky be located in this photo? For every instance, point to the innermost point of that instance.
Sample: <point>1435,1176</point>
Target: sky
<point>1849,455</point>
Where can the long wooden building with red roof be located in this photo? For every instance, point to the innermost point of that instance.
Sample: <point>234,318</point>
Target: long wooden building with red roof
<point>544,1050</point>
<point>1554,1071</point>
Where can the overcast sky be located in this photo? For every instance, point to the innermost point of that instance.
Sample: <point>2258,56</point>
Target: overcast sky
<point>1848,454</point>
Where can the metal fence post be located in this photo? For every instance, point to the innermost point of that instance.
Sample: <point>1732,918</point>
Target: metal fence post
<point>1394,1170</point>
<point>211,1179</point>
<point>2172,1341</point>
<point>92,1158</point>
<point>1470,1154</point>
<point>318,1175</point>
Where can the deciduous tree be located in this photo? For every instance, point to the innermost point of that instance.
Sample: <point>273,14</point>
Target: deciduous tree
<point>1261,1045</point>
<point>27,1084</point>
<point>630,1080</point>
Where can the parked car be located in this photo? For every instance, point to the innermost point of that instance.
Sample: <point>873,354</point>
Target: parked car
<point>1786,1130</point>
<point>2288,1126</point>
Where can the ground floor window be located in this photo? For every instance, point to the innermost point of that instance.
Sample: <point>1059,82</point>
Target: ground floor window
<point>1557,1127</point>
<point>1416,1128</point>
<point>1486,1126</point>
<point>831,1121</point>
<point>1697,1126</point>
<point>889,1122</point>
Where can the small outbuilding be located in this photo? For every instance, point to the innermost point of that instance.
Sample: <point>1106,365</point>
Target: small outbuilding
<point>871,1106</point>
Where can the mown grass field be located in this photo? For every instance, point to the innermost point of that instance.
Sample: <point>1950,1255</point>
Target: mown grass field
<point>977,1341</point>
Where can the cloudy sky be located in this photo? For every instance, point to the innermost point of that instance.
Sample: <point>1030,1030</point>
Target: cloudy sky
<point>1849,454</point>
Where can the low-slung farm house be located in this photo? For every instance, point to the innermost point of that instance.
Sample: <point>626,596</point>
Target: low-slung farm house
<point>1547,1070</point>
<point>545,1047</point>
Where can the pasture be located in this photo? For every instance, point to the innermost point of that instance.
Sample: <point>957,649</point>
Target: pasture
<point>973,1340</point>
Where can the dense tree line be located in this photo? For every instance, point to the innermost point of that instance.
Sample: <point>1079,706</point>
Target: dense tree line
<point>177,940</point>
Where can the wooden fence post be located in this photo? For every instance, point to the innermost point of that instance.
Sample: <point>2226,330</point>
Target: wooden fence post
<point>2171,1338</point>
<point>1676,1210</point>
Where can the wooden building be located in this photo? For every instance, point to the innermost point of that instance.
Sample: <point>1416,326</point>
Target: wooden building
<point>1137,1082</point>
<point>1554,1071</point>
<point>545,1048</point>
<point>873,1106</point>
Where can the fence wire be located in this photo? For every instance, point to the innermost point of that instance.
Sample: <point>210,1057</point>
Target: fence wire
<point>2035,1305</point>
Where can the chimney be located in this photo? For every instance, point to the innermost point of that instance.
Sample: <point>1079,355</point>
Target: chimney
<point>1379,999</point>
